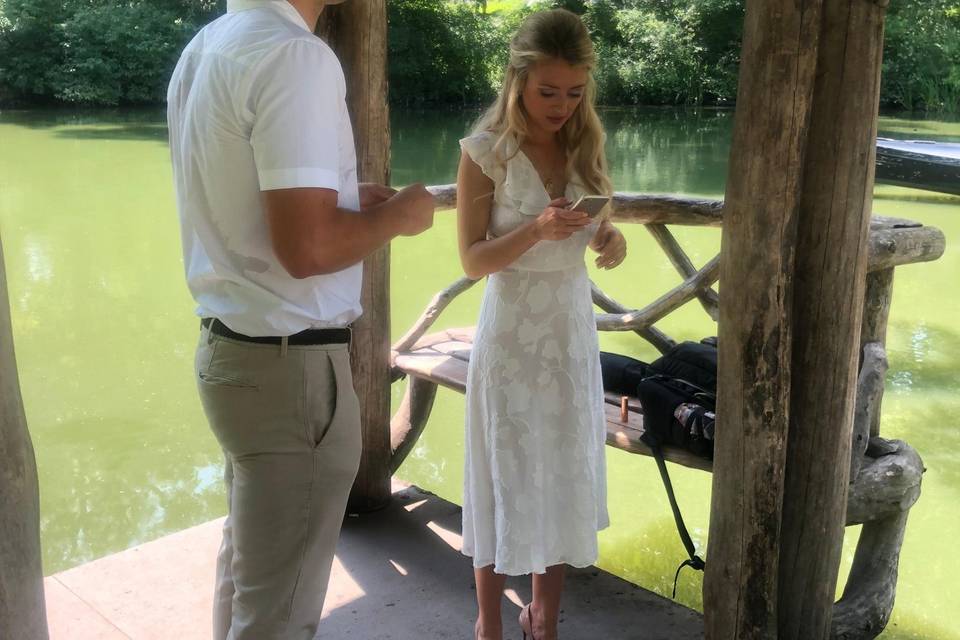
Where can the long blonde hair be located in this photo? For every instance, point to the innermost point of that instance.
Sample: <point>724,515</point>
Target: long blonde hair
<point>551,35</point>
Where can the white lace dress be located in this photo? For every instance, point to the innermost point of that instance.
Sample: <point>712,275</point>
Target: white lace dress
<point>535,475</point>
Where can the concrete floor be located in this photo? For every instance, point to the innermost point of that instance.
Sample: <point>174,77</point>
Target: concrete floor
<point>398,575</point>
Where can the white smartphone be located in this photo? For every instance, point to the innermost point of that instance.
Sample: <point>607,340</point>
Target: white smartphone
<point>591,205</point>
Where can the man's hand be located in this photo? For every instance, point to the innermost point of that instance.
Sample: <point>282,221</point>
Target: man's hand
<point>415,206</point>
<point>372,194</point>
<point>610,244</point>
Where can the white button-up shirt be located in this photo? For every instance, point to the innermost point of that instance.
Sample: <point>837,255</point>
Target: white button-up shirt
<point>256,103</point>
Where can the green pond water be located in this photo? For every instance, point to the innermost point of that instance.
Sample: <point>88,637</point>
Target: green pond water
<point>105,336</point>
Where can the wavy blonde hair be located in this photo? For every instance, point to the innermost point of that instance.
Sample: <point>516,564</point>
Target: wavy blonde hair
<point>551,35</point>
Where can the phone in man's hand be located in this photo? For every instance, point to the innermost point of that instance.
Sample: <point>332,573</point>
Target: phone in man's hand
<point>591,205</point>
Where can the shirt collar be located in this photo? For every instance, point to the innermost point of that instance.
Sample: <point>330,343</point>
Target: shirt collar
<point>285,9</point>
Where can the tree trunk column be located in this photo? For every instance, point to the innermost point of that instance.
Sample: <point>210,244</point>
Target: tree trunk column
<point>761,207</point>
<point>831,261</point>
<point>357,31</point>
<point>22,609</point>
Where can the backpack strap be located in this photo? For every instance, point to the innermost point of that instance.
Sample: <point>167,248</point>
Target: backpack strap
<point>694,560</point>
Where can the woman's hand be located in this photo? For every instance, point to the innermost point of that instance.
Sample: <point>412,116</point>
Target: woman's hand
<point>558,223</point>
<point>610,244</point>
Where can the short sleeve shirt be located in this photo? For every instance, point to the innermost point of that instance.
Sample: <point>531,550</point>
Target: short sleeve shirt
<point>257,103</point>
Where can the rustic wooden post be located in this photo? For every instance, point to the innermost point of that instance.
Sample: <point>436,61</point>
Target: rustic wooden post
<point>22,608</point>
<point>873,325</point>
<point>763,197</point>
<point>357,31</point>
<point>830,276</point>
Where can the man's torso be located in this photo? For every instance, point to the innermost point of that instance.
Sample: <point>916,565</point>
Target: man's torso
<point>222,94</point>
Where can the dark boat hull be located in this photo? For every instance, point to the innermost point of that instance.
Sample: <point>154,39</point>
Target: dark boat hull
<point>931,166</point>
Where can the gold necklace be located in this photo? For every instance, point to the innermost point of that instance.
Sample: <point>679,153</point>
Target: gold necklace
<point>550,184</point>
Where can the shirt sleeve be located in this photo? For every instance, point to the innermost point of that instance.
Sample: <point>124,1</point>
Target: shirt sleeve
<point>298,101</point>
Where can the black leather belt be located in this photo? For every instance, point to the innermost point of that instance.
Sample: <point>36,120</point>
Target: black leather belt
<point>307,337</point>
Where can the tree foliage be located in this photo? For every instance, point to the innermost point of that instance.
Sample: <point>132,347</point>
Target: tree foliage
<point>108,52</point>
<point>921,66</point>
<point>98,52</point>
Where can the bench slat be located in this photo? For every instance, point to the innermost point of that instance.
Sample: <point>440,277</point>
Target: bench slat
<point>442,358</point>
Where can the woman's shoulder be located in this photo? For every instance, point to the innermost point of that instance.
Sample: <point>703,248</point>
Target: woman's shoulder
<point>480,141</point>
<point>480,147</point>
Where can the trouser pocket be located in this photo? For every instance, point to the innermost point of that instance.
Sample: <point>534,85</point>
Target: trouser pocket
<point>333,408</point>
<point>252,396</point>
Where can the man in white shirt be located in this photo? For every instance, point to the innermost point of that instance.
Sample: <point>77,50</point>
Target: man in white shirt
<point>274,230</point>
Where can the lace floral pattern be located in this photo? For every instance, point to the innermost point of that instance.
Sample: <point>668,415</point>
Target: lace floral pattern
<point>535,476</point>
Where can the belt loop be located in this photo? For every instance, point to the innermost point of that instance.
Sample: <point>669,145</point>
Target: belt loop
<point>283,346</point>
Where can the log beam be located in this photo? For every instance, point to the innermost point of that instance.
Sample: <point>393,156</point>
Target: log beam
<point>410,419</point>
<point>864,610</point>
<point>829,283</point>
<point>432,312</point>
<point>873,326</point>
<point>888,482</point>
<point>893,241</point>
<point>867,408</point>
<point>665,304</point>
<point>357,31</point>
<point>660,341</point>
<point>881,497</point>
<point>678,258</point>
<point>764,187</point>
<point>22,608</point>
<point>897,246</point>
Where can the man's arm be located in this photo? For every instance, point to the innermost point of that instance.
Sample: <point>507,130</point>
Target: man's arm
<point>312,236</point>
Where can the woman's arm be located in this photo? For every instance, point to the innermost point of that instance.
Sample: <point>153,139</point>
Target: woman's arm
<point>481,257</point>
<point>609,242</point>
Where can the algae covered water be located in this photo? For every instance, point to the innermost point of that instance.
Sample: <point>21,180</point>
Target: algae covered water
<point>105,335</point>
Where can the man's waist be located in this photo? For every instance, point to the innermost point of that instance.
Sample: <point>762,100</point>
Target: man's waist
<point>307,337</point>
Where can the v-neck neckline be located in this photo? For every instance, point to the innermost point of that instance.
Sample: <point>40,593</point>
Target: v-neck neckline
<point>543,187</point>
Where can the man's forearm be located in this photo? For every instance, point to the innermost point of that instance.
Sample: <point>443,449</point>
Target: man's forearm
<point>350,236</point>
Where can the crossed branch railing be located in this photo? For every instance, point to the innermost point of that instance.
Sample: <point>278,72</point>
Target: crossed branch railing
<point>893,241</point>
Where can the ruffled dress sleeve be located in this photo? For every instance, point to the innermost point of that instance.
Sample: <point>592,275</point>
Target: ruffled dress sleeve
<point>516,183</point>
<point>480,149</point>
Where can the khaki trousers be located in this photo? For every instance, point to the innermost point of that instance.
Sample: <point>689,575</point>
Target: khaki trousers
<point>288,421</point>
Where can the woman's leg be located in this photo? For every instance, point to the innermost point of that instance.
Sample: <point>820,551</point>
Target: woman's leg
<point>489,596</point>
<point>545,610</point>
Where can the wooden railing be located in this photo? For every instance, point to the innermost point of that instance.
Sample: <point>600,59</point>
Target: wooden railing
<point>892,242</point>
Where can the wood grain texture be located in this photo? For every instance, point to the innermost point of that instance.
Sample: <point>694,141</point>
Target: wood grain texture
<point>873,324</point>
<point>763,196</point>
<point>357,32</point>
<point>665,304</point>
<point>410,420</point>
<point>828,292</point>
<point>660,341</point>
<point>436,306</point>
<point>22,607</point>
<point>867,408</point>
<point>886,487</point>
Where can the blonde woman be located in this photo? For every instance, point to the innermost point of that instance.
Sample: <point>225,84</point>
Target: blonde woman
<point>535,486</point>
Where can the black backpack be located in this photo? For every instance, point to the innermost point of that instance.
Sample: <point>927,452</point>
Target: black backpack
<point>678,394</point>
<point>679,398</point>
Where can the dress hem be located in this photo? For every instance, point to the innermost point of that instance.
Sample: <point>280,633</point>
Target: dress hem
<point>514,571</point>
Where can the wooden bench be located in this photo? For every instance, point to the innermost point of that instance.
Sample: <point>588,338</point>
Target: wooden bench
<point>442,358</point>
